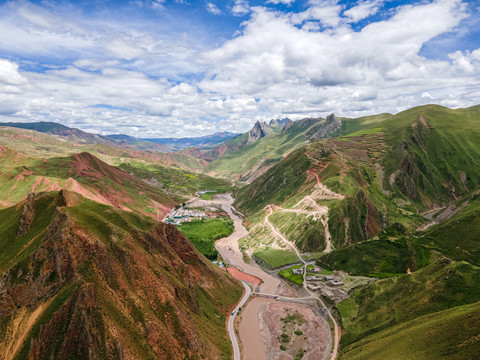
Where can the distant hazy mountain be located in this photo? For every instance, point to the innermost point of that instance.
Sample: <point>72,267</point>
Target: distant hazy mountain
<point>86,137</point>
<point>200,142</point>
<point>57,129</point>
<point>141,144</point>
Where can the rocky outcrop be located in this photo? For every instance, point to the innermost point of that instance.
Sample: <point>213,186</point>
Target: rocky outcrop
<point>28,213</point>
<point>287,126</point>
<point>331,124</point>
<point>259,130</point>
<point>279,121</point>
<point>82,333</point>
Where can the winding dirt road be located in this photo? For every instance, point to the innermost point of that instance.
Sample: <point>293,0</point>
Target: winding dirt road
<point>336,342</point>
<point>249,333</point>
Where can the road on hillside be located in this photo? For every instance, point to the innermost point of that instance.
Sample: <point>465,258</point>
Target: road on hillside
<point>336,328</point>
<point>231,321</point>
<point>229,250</point>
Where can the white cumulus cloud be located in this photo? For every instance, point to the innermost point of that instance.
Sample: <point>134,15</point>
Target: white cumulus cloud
<point>140,79</point>
<point>276,2</point>
<point>212,8</point>
<point>363,10</point>
<point>241,8</point>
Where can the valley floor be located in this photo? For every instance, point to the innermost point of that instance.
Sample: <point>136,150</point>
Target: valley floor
<point>275,311</point>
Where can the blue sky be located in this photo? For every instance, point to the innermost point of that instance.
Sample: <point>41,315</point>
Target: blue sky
<point>168,68</point>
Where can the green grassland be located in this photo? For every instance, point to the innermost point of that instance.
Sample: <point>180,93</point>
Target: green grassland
<point>457,237</point>
<point>393,251</point>
<point>265,151</point>
<point>442,285</point>
<point>306,233</point>
<point>448,334</point>
<point>206,196</point>
<point>174,180</point>
<point>378,258</point>
<point>350,126</point>
<point>275,258</point>
<point>203,233</point>
<point>433,157</point>
<point>289,275</point>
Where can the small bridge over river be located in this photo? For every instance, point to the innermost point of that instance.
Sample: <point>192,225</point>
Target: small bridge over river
<point>306,300</point>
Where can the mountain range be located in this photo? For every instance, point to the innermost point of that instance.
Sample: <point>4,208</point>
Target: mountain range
<point>90,271</point>
<point>199,142</point>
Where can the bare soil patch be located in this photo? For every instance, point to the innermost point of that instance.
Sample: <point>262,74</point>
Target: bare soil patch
<point>239,275</point>
<point>290,329</point>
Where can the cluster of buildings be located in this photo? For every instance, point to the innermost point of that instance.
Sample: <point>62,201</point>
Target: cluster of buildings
<point>329,285</point>
<point>330,280</point>
<point>182,214</point>
<point>315,269</point>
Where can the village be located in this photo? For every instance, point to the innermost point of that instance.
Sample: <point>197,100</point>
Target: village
<point>334,285</point>
<point>183,213</point>
<point>187,212</point>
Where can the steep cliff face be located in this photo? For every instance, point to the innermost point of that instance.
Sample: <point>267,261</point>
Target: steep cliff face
<point>322,130</point>
<point>259,130</point>
<point>100,283</point>
<point>28,213</point>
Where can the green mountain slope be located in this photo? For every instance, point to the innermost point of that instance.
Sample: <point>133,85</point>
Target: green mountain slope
<point>82,173</point>
<point>448,334</point>
<point>394,193</point>
<point>443,284</point>
<point>391,252</point>
<point>47,145</point>
<point>85,280</point>
<point>458,236</point>
<point>388,172</point>
<point>435,154</point>
<point>176,182</point>
<point>405,300</point>
<point>251,160</point>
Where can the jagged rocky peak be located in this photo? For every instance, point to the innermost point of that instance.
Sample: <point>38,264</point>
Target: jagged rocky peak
<point>259,130</point>
<point>279,121</point>
<point>333,119</point>
<point>331,124</point>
